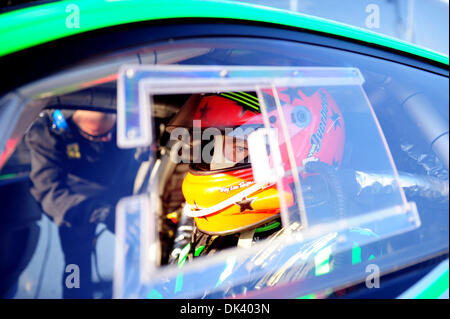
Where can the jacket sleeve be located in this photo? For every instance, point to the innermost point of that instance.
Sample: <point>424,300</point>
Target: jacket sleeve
<point>49,176</point>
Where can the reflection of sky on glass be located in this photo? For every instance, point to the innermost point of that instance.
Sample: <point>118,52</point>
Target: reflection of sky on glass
<point>363,134</point>
<point>131,278</point>
<point>132,109</point>
<point>424,23</point>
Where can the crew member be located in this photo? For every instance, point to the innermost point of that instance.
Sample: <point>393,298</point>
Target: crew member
<point>78,175</point>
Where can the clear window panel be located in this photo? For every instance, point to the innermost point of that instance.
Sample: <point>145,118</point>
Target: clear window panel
<point>264,145</point>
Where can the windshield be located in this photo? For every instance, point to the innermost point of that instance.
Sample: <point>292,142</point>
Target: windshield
<point>306,177</point>
<point>381,125</point>
<point>424,23</point>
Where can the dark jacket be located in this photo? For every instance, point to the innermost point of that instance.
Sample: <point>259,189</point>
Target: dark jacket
<point>74,176</point>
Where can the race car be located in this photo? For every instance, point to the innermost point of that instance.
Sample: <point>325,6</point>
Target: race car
<point>282,155</point>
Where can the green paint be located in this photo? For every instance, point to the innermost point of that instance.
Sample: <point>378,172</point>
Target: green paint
<point>356,254</point>
<point>28,27</point>
<point>254,98</point>
<point>310,296</point>
<point>183,255</point>
<point>267,227</point>
<point>318,295</point>
<point>371,257</point>
<point>234,98</point>
<point>322,261</point>
<point>254,103</point>
<point>181,261</point>
<point>179,282</point>
<point>154,294</point>
<point>7,176</point>
<point>436,289</point>
<point>198,251</point>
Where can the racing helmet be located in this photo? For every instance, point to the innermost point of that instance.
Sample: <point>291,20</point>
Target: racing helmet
<point>220,191</point>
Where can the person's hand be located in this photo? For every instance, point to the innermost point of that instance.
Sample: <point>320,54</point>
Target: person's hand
<point>104,214</point>
<point>84,215</point>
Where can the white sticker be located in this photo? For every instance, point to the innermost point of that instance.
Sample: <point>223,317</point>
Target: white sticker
<point>265,156</point>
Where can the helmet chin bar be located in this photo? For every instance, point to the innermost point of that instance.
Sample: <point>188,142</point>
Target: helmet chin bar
<point>224,204</point>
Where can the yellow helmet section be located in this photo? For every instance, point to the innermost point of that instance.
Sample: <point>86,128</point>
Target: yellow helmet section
<point>240,202</point>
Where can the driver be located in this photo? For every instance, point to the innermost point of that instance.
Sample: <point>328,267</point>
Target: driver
<point>228,206</point>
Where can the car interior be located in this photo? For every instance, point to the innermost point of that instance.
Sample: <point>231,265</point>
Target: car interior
<point>92,86</point>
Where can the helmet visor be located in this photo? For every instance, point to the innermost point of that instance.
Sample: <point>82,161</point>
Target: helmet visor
<point>228,152</point>
<point>213,149</point>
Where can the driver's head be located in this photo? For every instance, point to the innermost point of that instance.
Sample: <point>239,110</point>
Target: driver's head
<point>95,126</point>
<point>220,191</point>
